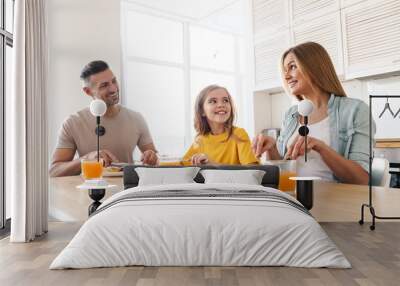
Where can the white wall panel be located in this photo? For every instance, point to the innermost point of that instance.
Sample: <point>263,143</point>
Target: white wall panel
<point>325,31</point>
<point>371,33</point>
<point>267,60</point>
<point>303,10</point>
<point>270,16</point>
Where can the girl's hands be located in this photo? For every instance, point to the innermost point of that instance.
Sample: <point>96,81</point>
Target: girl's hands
<point>262,144</point>
<point>199,159</point>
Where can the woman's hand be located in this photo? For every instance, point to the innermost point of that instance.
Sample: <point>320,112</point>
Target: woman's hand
<point>297,148</point>
<point>346,170</point>
<point>262,143</point>
<point>199,159</point>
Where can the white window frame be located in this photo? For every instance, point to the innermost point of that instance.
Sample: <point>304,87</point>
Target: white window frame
<point>186,65</point>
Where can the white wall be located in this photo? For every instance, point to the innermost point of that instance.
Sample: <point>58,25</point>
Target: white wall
<point>262,111</point>
<point>78,32</point>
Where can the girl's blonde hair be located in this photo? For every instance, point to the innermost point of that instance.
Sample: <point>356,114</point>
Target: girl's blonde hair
<point>200,120</point>
<point>316,65</point>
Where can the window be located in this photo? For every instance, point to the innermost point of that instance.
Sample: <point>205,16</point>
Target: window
<point>166,62</point>
<point>154,101</point>
<point>154,77</point>
<point>212,50</point>
<point>153,38</point>
<point>6,44</point>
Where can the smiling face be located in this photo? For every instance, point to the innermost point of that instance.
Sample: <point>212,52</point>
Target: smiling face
<point>104,85</point>
<point>217,106</point>
<point>296,81</point>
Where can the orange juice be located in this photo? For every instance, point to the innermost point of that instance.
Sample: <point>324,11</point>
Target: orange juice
<point>91,169</point>
<point>285,184</point>
<point>166,160</point>
<point>177,163</point>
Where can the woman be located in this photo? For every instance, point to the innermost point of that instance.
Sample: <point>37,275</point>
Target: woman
<point>217,140</point>
<point>338,142</point>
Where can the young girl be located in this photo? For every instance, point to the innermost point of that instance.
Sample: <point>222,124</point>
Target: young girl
<point>217,140</point>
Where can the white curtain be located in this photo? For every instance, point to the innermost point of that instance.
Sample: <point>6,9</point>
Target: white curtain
<point>28,151</point>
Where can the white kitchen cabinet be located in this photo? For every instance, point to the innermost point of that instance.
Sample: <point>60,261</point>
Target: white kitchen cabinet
<point>271,37</point>
<point>269,16</point>
<point>305,10</point>
<point>325,31</point>
<point>267,56</point>
<point>362,37</point>
<point>371,38</point>
<point>348,3</point>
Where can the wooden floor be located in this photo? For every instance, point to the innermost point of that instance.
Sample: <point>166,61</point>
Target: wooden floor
<point>374,255</point>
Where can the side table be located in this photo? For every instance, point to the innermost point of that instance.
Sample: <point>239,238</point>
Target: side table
<point>96,193</point>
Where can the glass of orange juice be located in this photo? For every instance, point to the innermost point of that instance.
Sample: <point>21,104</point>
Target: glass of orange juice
<point>166,160</point>
<point>91,169</point>
<point>287,169</point>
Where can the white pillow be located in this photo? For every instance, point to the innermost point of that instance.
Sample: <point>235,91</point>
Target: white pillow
<point>165,176</point>
<point>248,177</point>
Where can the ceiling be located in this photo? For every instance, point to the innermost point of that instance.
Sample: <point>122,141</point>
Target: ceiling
<point>225,14</point>
<point>194,9</point>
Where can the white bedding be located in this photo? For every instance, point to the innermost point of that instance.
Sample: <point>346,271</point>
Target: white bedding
<point>183,231</point>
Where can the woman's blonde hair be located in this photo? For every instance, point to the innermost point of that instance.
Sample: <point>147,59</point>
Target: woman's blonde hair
<point>200,120</point>
<point>316,65</point>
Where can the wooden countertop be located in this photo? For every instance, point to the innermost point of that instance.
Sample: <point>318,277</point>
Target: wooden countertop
<point>332,202</point>
<point>387,143</point>
<point>342,202</point>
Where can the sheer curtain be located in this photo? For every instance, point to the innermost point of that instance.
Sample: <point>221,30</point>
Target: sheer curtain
<point>28,151</point>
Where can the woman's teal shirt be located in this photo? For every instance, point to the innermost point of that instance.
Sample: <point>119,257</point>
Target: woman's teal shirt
<point>348,127</point>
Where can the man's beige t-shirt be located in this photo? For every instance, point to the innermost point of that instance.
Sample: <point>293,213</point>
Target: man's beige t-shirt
<point>124,132</point>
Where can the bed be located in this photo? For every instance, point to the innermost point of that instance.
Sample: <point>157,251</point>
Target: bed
<point>201,224</point>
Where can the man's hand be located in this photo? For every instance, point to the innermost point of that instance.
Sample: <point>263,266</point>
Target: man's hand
<point>149,157</point>
<point>261,144</point>
<point>297,148</point>
<point>199,159</point>
<point>105,155</point>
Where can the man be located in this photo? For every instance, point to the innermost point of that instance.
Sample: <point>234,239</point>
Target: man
<point>124,129</point>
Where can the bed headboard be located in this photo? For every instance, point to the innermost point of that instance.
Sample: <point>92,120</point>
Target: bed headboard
<point>270,179</point>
